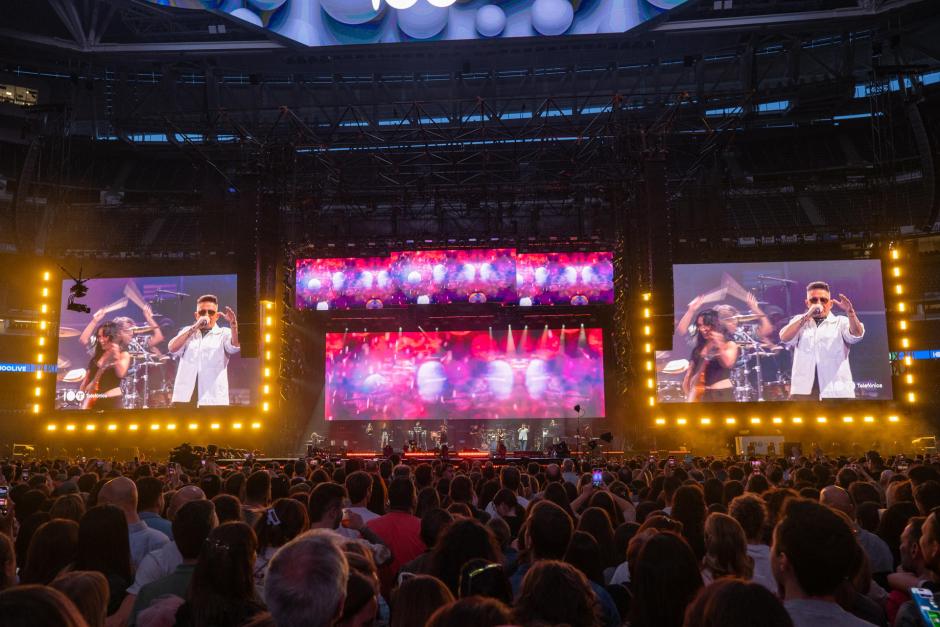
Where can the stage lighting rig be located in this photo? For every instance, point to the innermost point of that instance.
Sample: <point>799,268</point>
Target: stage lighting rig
<point>77,291</point>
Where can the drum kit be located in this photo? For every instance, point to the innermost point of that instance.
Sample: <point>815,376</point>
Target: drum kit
<point>759,374</point>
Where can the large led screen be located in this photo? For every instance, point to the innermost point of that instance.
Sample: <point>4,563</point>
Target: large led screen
<point>522,373</point>
<point>436,277</point>
<point>336,22</point>
<point>777,331</point>
<point>121,355</point>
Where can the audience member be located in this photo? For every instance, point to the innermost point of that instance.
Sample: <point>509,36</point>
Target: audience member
<point>813,553</point>
<point>471,612</point>
<point>416,600</point>
<point>33,605</point>
<point>54,547</point>
<point>664,580</point>
<point>104,546</point>
<point>88,590</point>
<point>726,553</point>
<point>306,581</point>
<point>732,602</point>
<point>122,493</point>
<point>541,603</point>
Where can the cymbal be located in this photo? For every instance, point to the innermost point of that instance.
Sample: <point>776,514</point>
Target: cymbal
<point>746,317</point>
<point>74,376</point>
<point>143,329</point>
<point>675,366</point>
<point>68,332</point>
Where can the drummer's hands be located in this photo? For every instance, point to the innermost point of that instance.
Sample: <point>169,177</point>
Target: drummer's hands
<point>751,301</point>
<point>148,314</point>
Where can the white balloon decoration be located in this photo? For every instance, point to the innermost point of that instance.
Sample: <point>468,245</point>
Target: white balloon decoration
<point>490,20</point>
<point>348,11</point>
<point>423,20</point>
<point>552,17</point>
<point>266,5</point>
<point>247,15</point>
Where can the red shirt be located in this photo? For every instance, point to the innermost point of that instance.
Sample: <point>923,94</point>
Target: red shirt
<point>401,533</point>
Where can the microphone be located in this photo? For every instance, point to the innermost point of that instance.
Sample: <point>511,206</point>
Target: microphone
<point>815,309</point>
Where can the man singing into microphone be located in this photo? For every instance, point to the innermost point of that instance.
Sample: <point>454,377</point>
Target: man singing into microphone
<point>203,349</point>
<point>822,340</point>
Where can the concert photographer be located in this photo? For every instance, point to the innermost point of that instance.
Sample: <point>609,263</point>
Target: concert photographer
<point>204,349</point>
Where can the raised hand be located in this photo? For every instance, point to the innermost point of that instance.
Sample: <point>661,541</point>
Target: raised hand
<point>230,315</point>
<point>844,304</point>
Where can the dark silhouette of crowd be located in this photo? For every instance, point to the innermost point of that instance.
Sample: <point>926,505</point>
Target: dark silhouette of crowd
<point>694,542</point>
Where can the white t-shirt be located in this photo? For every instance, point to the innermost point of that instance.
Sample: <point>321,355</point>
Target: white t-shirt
<point>156,565</point>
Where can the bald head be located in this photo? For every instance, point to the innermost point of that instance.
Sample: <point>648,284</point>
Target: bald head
<point>183,496</point>
<point>838,499</point>
<point>120,492</point>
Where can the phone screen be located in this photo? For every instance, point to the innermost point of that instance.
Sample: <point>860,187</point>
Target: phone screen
<point>4,496</point>
<point>927,606</point>
<point>597,478</point>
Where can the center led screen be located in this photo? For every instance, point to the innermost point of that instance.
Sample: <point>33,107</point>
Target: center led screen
<point>507,374</point>
<point>436,277</point>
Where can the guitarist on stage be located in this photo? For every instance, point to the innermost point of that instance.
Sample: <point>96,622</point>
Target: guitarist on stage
<point>709,375</point>
<point>106,369</point>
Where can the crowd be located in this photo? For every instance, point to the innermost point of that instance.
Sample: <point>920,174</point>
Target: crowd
<point>698,542</point>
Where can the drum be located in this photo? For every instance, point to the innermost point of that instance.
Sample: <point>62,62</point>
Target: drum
<point>669,392</point>
<point>776,390</point>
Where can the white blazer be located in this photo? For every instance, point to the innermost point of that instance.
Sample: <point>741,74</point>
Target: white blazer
<point>824,348</point>
<point>206,357</point>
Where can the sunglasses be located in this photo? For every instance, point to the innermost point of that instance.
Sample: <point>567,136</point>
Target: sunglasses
<point>207,312</point>
<point>819,299</point>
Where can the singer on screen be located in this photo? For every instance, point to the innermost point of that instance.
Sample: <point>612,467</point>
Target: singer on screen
<point>822,341</point>
<point>203,349</point>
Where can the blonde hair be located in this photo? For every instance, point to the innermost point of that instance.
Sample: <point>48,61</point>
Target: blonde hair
<point>726,548</point>
<point>88,590</point>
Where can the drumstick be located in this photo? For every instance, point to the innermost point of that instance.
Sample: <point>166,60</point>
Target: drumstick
<point>118,304</point>
<point>131,291</point>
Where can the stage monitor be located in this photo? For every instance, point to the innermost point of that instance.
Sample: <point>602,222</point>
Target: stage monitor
<point>117,356</point>
<point>442,277</point>
<point>454,375</point>
<point>777,331</point>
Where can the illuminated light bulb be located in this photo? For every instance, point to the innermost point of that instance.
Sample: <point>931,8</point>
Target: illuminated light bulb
<point>70,427</point>
<point>215,426</point>
<point>797,420</point>
<point>236,425</point>
<point>777,420</point>
<point>51,427</point>
<point>652,401</point>
<point>705,421</point>
<point>171,427</point>
<point>660,421</point>
<point>869,419</point>
<point>133,427</point>
<point>731,421</point>
<point>755,421</point>
<point>821,419</point>
<point>893,419</point>
<point>682,421</point>
<point>36,408</point>
<point>45,276</point>
<point>895,254</point>
<point>90,427</point>
<point>256,425</point>
<point>193,426</point>
<point>847,419</point>
<point>112,427</point>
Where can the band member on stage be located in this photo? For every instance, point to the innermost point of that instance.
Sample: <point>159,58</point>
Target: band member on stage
<point>125,327</point>
<point>106,369</point>
<point>822,340</point>
<point>203,349</point>
<point>709,375</point>
<point>727,314</point>
<point>523,437</point>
